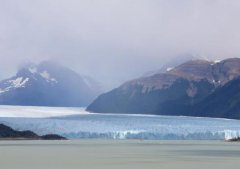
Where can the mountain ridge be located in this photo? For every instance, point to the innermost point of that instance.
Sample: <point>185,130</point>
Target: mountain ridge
<point>174,92</point>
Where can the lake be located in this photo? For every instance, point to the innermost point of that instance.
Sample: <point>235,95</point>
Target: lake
<point>119,154</point>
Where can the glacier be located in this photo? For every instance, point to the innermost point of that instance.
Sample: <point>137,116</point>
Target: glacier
<point>39,111</point>
<point>76,123</point>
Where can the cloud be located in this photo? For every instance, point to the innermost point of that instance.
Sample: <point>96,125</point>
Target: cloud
<point>114,41</point>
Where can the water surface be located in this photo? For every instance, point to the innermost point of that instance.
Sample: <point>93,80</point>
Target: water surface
<point>119,154</point>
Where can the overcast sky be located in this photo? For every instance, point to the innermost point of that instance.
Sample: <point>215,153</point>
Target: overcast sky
<point>116,40</point>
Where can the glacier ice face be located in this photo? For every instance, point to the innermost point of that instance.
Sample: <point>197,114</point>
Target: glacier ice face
<point>230,134</point>
<point>108,126</point>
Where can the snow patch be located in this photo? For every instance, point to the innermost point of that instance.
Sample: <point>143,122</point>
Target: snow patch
<point>48,77</point>
<point>169,69</point>
<point>33,70</point>
<point>54,80</point>
<point>45,75</point>
<point>217,61</point>
<point>18,82</point>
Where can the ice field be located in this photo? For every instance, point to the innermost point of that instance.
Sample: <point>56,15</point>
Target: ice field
<point>76,123</point>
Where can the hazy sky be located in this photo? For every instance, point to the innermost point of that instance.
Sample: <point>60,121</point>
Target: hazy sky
<point>116,40</point>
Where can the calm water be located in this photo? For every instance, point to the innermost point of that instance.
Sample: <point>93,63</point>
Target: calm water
<point>111,154</point>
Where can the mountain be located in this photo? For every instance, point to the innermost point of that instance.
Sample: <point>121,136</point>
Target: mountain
<point>224,102</point>
<point>47,84</point>
<point>178,91</point>
<point>8,133</point>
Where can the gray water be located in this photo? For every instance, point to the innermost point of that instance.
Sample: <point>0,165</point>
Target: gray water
<point>119,154</point>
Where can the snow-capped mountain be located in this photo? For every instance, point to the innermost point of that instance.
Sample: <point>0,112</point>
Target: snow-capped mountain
<point>47,84</point>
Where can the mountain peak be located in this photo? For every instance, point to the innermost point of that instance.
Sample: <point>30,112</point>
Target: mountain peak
<point>47,84</point>
<point>217,72</point>
<point>34,72</point>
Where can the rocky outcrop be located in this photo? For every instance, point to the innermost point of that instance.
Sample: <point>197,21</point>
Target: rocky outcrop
<point>7,133</point>
<point>234,140</point>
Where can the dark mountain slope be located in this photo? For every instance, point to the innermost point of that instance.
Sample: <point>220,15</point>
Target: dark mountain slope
<point>174,92</point>
<point>174,100</point>
<point>224,102</point>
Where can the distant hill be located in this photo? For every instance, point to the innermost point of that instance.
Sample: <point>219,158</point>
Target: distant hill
<point>194,88</point>
<point>48,84</point>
